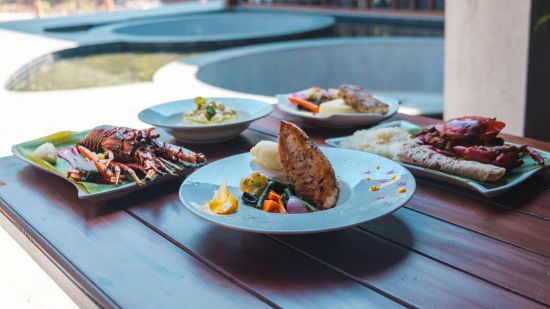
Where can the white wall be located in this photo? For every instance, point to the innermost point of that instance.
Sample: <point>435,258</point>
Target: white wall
<point>486,52</point>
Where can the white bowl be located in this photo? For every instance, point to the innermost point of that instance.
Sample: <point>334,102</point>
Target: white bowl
<point>169,116</point>
<point>344,120</point>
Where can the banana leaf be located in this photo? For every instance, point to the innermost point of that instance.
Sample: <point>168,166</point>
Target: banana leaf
<point>64,139</point>
<point>512,177</point>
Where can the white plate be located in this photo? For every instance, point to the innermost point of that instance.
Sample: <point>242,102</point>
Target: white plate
<point>356,172</point>
<point>169,116</point>
<point>345,120</point>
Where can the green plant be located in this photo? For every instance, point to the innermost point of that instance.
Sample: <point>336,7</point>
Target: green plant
<point>541,21</point>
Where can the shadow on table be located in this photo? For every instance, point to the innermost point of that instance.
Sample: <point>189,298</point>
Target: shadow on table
<point>64,194</point>
<point>353,251</point>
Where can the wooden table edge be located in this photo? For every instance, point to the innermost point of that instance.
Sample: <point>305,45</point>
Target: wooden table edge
<point>71,280</point>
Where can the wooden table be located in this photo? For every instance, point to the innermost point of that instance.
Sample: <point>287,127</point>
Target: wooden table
<point>446,248</point>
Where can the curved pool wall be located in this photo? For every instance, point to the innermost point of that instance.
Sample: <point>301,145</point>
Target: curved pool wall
<point>217,29</point>
<point>192,33</point>
<point>409,69</point>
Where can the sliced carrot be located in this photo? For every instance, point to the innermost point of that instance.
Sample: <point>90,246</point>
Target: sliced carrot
<point>305,104</point>
<point>272,195</point>
<point>272,206</point>
<point>282,209</point>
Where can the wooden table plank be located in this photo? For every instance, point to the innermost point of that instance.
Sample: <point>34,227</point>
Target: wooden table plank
<point>273,270</point>
<point>417,279</point>
<point>469,209</point>
<point>447,248</point>
<point>117,259</point>
<point>531,239</point>
<point>382,265</point>
<point>495,261</point>
<point>514,227</point>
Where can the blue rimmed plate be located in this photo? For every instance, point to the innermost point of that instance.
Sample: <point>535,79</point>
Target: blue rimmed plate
<point>344,120</point>
<point>357,172</point>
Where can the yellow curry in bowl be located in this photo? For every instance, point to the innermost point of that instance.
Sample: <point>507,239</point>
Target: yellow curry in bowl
<point>209,112</point>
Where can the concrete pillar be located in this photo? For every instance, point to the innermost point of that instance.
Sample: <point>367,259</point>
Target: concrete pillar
<point>497,63</point>
<point>486,58</point>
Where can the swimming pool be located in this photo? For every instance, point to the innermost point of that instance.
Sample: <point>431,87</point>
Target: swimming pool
<point>98,70</point>
<point>138,48</point>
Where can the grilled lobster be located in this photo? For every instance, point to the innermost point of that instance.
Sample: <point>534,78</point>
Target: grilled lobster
<point>131,150</point>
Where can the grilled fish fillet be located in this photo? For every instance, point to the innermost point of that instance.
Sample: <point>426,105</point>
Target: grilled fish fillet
<point>362,101</point>
<point>307,168</point>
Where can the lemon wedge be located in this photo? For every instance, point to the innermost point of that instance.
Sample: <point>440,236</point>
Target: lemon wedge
<point>223,202</point>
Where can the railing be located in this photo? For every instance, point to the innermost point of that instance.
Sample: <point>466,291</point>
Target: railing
<point>67,7</point>
<point>435,7</point>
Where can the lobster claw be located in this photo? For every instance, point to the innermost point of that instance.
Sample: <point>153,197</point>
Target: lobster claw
<point>482,127</point>
<point>535,155</point>
<point>475,153</point>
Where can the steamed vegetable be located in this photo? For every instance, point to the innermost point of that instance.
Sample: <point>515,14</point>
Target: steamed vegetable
<point>46,152</point>
<point>254,184</point>
<point>263,195</point>
<point>296,206</point>
<point>272,206</point>
<point>209,112</point>
<point>305,104</point>
<point>276,196</point>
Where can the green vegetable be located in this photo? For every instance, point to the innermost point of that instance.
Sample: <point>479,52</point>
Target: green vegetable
<point>263,196</point>
<point>288,193</point>
<point>310,207</point>
<point>280,186</point>
<point>210,111</point>
<point>200,101</point>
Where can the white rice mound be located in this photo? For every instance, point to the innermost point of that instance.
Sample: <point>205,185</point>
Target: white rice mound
<point>385,142</point>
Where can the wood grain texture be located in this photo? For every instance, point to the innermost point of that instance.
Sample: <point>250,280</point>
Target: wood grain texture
<point>118,260</point>
<point>445,282</point>
<point>516,220</point>
<point>447,248</point>
<point>273,270</point>
<point>417,279</point>
<point>278,273</point>
<point>519,220</point>
<point>495,261</point>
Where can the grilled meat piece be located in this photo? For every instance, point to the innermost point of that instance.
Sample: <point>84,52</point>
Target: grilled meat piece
<point>362,101</point>
<point>307,168</point>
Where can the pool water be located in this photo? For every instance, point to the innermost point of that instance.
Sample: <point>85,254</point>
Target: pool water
<point>106,69</point>
<point>119,67</point>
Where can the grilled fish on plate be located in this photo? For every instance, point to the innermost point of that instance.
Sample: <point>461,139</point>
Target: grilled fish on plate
<point>307,168</point>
